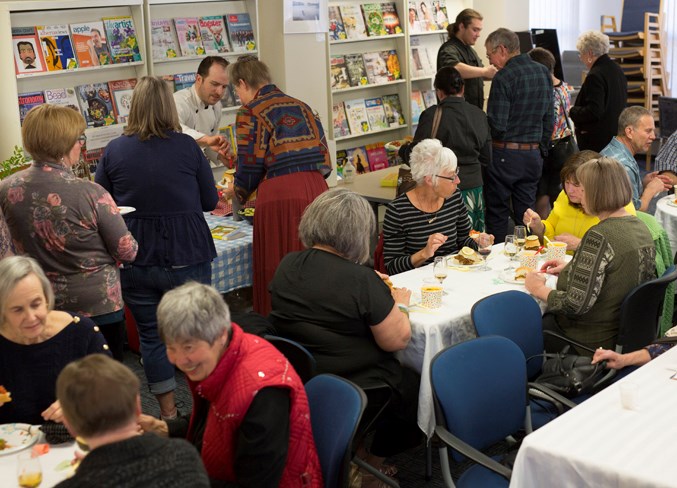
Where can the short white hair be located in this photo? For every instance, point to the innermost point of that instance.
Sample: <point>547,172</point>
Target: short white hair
<point>429,158</point>
<point>593,41</point>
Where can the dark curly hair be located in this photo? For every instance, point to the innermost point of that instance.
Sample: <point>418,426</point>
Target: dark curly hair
<point>449,81</point>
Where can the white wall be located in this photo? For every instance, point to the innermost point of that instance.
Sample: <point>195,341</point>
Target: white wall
<point>591,13</point>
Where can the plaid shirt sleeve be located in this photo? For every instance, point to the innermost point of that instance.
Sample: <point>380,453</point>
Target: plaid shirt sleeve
<point>667,156</point>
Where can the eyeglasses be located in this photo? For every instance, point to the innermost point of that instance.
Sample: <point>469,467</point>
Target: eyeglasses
<point>82,140</point>
<point>450,178</point>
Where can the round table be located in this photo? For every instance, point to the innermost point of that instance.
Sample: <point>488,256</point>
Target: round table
<point>666,215</point>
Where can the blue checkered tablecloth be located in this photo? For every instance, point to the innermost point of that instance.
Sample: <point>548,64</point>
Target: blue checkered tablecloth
<point>232,268</point>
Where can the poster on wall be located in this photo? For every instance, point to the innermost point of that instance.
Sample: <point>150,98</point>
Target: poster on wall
<point>305,16</point>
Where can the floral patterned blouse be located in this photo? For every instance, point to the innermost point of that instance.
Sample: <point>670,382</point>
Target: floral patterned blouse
<point>6,247</point>
<point>73,228</point>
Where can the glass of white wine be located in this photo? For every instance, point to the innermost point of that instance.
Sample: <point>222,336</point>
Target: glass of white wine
<point>520,236</point>
<point>510,247</point>
<point>29,471</point>
<point>440,269</point>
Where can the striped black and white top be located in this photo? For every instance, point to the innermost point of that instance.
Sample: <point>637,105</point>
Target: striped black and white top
<point>406,230</point>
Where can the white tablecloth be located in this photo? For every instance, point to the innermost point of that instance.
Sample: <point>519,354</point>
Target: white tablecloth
<point>666,214</point>
<point>433,330</point>
<point>49,462</point>
<point>600,444</point>
<point>232,268</point>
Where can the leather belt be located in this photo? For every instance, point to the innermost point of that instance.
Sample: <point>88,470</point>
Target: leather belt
<point>517,146</point>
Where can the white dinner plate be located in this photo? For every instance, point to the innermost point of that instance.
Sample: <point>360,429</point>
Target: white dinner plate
<point>508,275</point>
<point>452,263</point>
<point>18,437</point>
<point>125,210</point>
<point>671,202</point>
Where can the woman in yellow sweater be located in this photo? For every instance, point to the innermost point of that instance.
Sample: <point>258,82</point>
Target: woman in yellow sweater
<point>567,222</point>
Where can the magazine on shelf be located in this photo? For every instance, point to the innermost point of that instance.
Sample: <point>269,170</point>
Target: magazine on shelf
<point>440,14</point>
<point>377,156</point>
<point>377,71</point>
<point>393,109</point>
<point>90,44</point>
<point>62,96</point>
<point>184,80</point>
<point>121,91</point>
<point>391,20</point>
<point>164,39</point>
<point>341,158</point>
<point>188,33</point>
<point>356,112</point>
<point>417,106</point>
<point>425,15</point>
<point>338,73</point>
<point>57,47</point>
<point>420,62</point>
<point>413,18</point>
<point>392,64</point>
<point>373,19</point>
<point>341,128</point>
<point>27,101</point>
<point>429,98</point>
<point>214,34</point>
<point>241,32</point>
<point>357,73</point>
<point>95,104</point>
<point>358,156</point>
<point>28,57</point>
<point>336,30</point>
<point>122,41</point>
<point>375,113</point>
<point>353,22</point>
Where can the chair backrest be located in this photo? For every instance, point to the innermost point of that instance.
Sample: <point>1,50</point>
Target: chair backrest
<point>640,312</point>
<point>336,406</point>
<point>300,358</point>
<point>667,112</point>
<point>517,316</point>
<point>480,387</point>
<point>632,18</point>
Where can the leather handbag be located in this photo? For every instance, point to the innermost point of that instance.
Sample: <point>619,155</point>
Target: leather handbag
<point>571,375</point>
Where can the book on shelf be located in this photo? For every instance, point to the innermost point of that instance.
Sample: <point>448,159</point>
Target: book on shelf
<point>353,22</point>
<point>377,156</point>
<point>95,104</point>
<point>391,21</point>
<point>393,110</point>
<point>241,32</point>
<point>57,47</point>
<point>375,113</point>
<point>228,98</point>
<point>425,16</point>
<point>183,80</point>
<point>28,57</point>
<point>357,73</point>
<point>27,101</point>
<point>420,62</point>
<point>90,44</point>
<point>440,14</point>
<point>169,79</point>
<point>373,18</point>
<point>341,158</point>
<point>338,73</point>
<point>358,156</point>
<point>163,38</point>
<point>188,33</point>
<point>429,98</point>
<point>392,64</point>
<point>356,112</point>
<point>214,34</point>
<point>122,41</point>
<point>413,18</point>
<point>121,93</point>
<point>376,68</point>
<point>336,30</point>
<point>340,119</point>
<point>62,96</point>
<point>417,106</point>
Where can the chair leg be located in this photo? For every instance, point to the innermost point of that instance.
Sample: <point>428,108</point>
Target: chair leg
<point>429,460</point>
<point>372,470</point>
<point>444,465</point>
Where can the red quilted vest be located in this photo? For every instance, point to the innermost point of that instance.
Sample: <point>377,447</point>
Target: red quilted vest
<point>249,364</point>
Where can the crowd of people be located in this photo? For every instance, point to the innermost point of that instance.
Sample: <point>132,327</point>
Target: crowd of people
<point>70,261</point>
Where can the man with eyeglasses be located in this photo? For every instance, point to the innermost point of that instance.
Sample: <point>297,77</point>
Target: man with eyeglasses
<point>521,120</point>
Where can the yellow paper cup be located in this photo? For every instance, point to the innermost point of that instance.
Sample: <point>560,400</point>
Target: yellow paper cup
<point>557,250</point>
<point>528,259</point>
<point>431,296</point>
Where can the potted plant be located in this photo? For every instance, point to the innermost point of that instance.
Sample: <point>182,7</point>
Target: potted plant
<point>16,162</point>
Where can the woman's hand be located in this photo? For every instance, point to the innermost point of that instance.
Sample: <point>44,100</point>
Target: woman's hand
<point>401,295</point>
<point>613,359</point>
<point>53,413</point>
<point>533,221</point>
<point>553,266</point>
<point>488,236</point>
<point>434,242</point>
<point>571,240</point>
<point>148,423</point>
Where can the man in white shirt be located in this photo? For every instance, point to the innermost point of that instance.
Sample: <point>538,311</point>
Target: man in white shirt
<point>199,108</point>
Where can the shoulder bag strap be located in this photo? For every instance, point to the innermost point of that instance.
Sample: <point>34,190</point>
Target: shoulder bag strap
<point>436,122</point>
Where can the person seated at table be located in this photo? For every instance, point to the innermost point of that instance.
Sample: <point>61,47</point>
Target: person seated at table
<point>615,360</point>
<point>613,257</point>
<point>430,220</point>
<point>101,404</point>
<point>36,342</point>
<point>567,221</point>
<point>343,312</point>
<point>250,419</point>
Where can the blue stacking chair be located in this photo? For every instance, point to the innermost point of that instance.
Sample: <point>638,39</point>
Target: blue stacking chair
<point>336,407</point>
<point>300,358</point>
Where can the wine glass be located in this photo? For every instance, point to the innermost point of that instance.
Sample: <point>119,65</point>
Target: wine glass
<point>520,236</point>
<point>484,248</point>
<point>29,471</point>
<point>440,269</point>
<point>510,247</point>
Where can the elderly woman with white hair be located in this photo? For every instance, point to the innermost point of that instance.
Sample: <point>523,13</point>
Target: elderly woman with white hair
<point>430,220</point>
<point>603,95</point>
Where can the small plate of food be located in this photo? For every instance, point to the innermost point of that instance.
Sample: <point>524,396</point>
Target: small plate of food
<point>515,276</point>
<point>465,258</point>
<point>671,201</point>
<point>395,146</point>
<point>17,437</point>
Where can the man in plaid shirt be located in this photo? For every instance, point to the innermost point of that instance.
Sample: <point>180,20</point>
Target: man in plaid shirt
<point>521,121</point>
<point>666,161</point>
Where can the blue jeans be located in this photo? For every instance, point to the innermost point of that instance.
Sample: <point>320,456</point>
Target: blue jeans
<point>142,289</point>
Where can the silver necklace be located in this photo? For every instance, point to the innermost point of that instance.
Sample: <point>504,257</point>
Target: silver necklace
<point>433,218</point>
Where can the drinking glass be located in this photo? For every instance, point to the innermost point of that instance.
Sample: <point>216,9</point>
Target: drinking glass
<point>440,269</point>
<point>520,236</point>
<point>29,471</point>
<point>510,247</point>
<point>484,248</point>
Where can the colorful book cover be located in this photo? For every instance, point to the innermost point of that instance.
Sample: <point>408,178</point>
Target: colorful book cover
<point>121,91</point>
<point>353,22</point>
<point>90,44</point>
<point>356,113</point>
<point>27,101</point>
<point>417,106</point>
<point>341,158</point>
<point>393,110</point>
<point>357,73</point>
<point>336,30</point>
<point>425,15</point>
<point>377,156</point>
<point>413,19</point>
<point>122,41</point>
<point>221,231</point>
<point>341,128</point>
<point>373,19</point>
<point>429,98</point>
<point>440,14</point>
<point>188,33</point>
<point>28,56</point>
<point>62,96</point>
<point>95,104</point>
<point>57,47</point>
<point>214,35</point>
<point>164,39</point>
<point>338,73</point>
<point>391,21</point>
<point>392,64</point>
<point>377,71</point>
<point>241,32</point>
<point>375,113</point>
<point>229,132</point>
<point>183,80</point>
<point>358,156</point>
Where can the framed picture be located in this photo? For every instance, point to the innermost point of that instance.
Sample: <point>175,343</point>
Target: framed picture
<point>305,16</point>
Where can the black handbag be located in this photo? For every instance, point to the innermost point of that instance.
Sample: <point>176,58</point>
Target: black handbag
<point>571,375</point>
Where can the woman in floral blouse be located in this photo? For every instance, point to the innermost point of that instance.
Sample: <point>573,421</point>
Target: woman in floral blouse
<point>71,226</point>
